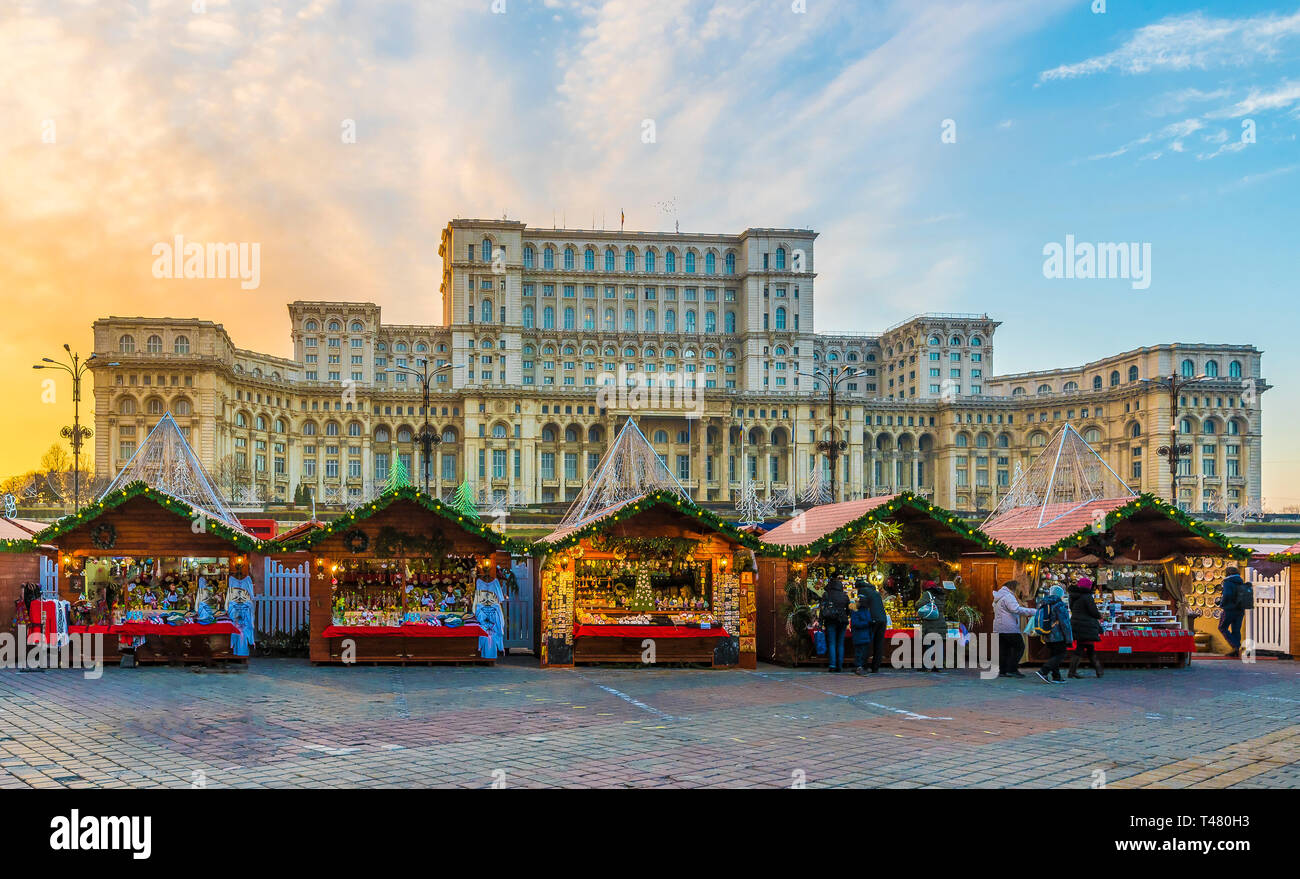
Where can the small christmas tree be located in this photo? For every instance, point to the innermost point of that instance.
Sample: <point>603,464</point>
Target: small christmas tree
<point>397,476</point>
<point>463,501</point>
<point>643,598</point>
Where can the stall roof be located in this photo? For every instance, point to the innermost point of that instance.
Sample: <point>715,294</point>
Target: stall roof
<point>1109,521</point>
<point>567,535</point>
<point>295,533</point>
<point>112,500</point>
<point>821,528</point>
<point>310,536</point>
<point>17,534</point>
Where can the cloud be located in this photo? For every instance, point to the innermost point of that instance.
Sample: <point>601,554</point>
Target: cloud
<point>1280,97</point>
<point>1189,42</point>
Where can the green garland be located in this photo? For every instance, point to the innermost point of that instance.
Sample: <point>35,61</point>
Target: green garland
<point>112,501</point>
<point>851,530</point>
<point>408,493</point>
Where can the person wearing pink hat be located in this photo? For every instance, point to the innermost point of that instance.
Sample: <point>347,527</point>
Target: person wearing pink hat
<point>1085,620</point>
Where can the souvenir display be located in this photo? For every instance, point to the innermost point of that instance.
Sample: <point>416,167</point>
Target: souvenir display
<point>399,592</point>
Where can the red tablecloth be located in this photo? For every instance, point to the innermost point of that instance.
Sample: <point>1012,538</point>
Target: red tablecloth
<point>410,630</point>
<point>91,630</point>
<point>889,633</point>
<point>187,630</point>
<point>590,631</point>
<point>1153,641</point>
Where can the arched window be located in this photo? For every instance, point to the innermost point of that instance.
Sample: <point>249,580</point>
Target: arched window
<point>382,435</point>
<point>650,320</point>
<point>528,317</point>
<point>487,250</point>
<point>962,441</point>
<point>629,320</point>
<point>184,407</point>
<point>1132,373</point>
<point>1135,431</point>
<point>609,259</point>
<point>670,320</point>
<point>1092,436</point>
<point>670,261</point>
<point>1185,425</point>
<point>331,428</point>
<point>629,260</point>
<point>710,263</point>
<point>649,260</point>
<point>609,318</point>
<point>729,324</point>
<point>309,429</point>
<point>335,326</point>
<point>780,317</point>
<point>126,345</point>
<point>935,341</point>
<point>710,322</point>
<point>1212,368</point>
<point>548,318</point>
<point>498,431</point>
<point>1114,379</point>
<point>1234,369</point>
<point>241,420</point>
<point>1188,369</point>
<point>530,256</point>
<point>731,264</point>
<point>548,257</point>
<point>1096,383</point>
<point>661,436</point>
<point>354,428</point>
<point>181,345</point>
<point>485,311</point>
<point>1017,392</point>
<point>357,326</point>
<point>1044,389</point>
<point>404,435</point>
<point>690,262</point>
<point>569,254</point>
<point>955,340</point>
<point>568,317</point>
<point>690,320</point>
<point>589,318</point>
<point>153,345</point>
<point>780,257</point>
<point>310,326</point>
<point>1070,387</point>
<point>155,407</point>
<point>976,341</point>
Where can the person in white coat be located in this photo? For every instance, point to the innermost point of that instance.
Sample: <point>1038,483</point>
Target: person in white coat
<point>1007,611</point>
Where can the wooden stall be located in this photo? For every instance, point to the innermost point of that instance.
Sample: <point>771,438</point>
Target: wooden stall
<point>650,581</point>
<point>20,565</point>
<point>1138,549</point>
<point>1290,559</point>
<point>903,540</point>
<point>395,582</point>
<point>157,573</point>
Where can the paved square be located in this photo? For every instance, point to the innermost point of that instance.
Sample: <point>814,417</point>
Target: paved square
<point>285,723</point>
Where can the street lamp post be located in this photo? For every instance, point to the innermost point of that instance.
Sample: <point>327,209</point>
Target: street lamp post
<point>76,434</point>
<point>832,448</point>
<point>1174,450</point>
<point>428,437</point>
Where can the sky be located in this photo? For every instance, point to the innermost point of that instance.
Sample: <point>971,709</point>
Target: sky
<point>936,147</point>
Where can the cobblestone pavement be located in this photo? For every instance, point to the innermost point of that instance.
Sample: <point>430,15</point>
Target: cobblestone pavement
<point>285,723</point>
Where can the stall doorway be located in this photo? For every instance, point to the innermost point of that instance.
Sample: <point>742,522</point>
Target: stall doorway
<point>519,608</point>
<point>281,607</point>
<point>1269,624</point>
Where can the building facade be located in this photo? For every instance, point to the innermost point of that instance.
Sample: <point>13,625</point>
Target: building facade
<point>551,338</point>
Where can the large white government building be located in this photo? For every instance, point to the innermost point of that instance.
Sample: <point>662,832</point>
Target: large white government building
<point>718,334</point>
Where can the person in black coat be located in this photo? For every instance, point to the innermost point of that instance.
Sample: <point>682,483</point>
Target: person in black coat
<point>1085,620</point>
<point>834,613</point>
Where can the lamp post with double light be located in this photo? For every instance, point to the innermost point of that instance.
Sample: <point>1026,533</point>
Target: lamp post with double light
<point>428,437</point>
<point>76,435</point>
<point>833,447</point>
<point>1174,451</point>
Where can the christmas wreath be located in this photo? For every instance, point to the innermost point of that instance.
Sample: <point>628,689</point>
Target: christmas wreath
<point>103,536</point>
<point>356,542</point>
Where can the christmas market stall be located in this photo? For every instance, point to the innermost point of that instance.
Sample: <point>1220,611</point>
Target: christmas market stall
<point>169,580</point>
<point>637,573</point>
<point>158,560</point>
<point>1069,516</point>
<point>902,544</point>
<point>20,571</point>
<point>407,578</point>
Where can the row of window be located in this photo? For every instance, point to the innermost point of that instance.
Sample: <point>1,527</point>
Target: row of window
<point>648,262</point>
<point>153,345</point>
<point>1188,370</point>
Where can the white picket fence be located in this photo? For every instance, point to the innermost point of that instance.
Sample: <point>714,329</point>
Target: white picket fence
<point>1269,624</point>
<point>49,578</point>
<point>282,607</point>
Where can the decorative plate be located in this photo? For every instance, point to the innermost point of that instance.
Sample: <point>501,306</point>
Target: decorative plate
<point>1207,562</point>
<point>1199,575</point>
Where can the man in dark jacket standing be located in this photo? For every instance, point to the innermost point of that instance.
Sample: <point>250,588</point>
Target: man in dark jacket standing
<point>834,613</point>
<point>1234,609</point>
<point>869,599</point>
